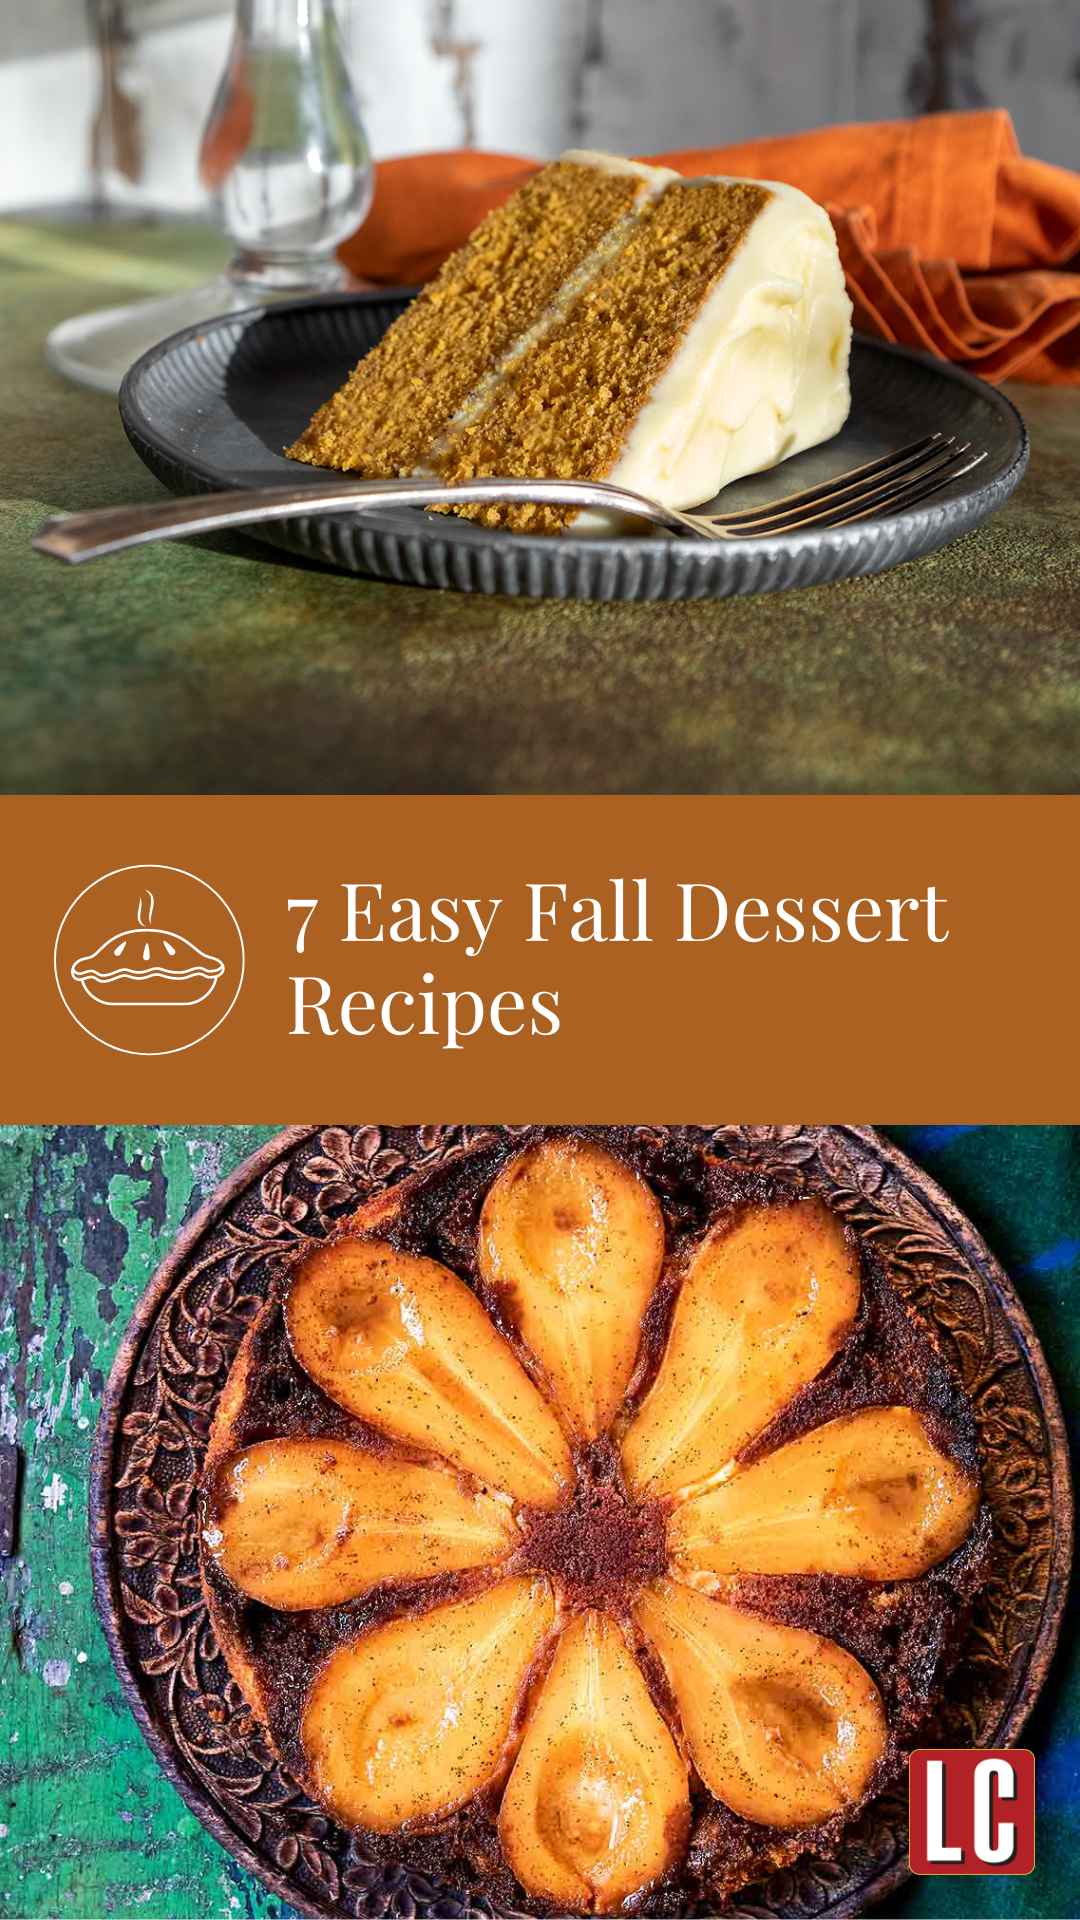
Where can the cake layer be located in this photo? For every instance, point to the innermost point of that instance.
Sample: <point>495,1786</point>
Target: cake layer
<point>567,407</point>
<point>402,396</point>
<point>612,321</point>
<point>714,344</point>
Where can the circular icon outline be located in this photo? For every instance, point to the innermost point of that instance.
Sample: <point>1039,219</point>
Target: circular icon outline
<point>144,866</point>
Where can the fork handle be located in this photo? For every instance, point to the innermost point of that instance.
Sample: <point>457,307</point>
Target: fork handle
<point>86,536</point>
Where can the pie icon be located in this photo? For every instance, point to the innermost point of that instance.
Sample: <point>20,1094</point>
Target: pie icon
<point>146,966</point>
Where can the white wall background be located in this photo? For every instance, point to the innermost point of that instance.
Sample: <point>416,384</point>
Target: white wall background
<point>531,76</point>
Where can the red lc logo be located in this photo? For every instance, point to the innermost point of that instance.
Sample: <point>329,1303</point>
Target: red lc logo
<point>971,1811</point>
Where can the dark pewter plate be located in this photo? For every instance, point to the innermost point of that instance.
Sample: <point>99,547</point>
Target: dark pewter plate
<point>169,1373</point>
<point>214,406</point>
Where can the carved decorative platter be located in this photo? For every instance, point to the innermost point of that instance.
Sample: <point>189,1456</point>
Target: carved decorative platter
<point>172,1365</point>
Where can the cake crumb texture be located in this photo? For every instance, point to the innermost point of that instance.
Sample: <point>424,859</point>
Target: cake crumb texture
<point>566,410</point>
<point>401,397</point>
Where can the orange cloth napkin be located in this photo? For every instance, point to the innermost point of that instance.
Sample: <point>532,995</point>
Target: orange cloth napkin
<point>952,239</point>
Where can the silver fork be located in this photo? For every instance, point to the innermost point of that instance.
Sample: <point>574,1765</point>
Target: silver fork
<point>881,486</point>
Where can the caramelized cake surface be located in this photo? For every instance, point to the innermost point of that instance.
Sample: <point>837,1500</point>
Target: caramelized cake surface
<point>591,1523</point>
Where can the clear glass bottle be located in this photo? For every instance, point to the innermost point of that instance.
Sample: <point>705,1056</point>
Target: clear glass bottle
<point>285,147</point>
<point>285,151</point>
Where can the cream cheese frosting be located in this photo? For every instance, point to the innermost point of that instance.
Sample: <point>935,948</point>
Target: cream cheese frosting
<point>763,371</point>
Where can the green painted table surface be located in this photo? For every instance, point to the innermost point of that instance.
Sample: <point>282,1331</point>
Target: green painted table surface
<point>88,1825</point>
<point>218,666</point>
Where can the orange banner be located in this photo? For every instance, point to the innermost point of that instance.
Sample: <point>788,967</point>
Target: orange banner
<point>592,959</point>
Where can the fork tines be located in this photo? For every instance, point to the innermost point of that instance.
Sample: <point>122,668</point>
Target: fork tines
<point>894,480</point>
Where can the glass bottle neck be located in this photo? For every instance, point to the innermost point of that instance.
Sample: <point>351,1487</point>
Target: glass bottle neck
<point>282,21</point>
<point>285,147</point>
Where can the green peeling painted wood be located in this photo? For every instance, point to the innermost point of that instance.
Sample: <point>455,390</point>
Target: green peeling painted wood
<point>214,666</point>
<point>88,1825</point>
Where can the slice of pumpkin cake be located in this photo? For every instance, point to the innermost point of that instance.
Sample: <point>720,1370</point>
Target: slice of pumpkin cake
<point>611,321</point>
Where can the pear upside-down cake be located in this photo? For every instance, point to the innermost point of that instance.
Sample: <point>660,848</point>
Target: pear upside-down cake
<point>591,1524</point>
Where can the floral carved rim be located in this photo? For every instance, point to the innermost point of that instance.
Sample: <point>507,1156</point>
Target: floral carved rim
<point>172,1363</point>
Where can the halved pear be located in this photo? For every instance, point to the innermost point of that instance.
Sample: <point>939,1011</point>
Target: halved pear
<point>403,1343</point>
<point>573,1241</point>
<point>414,1718</point>
<point>766,1303</point>
<point>784,1727</point>
<point>867,1494</point>
<point>597,1806</point>
<point>310,1523</point>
